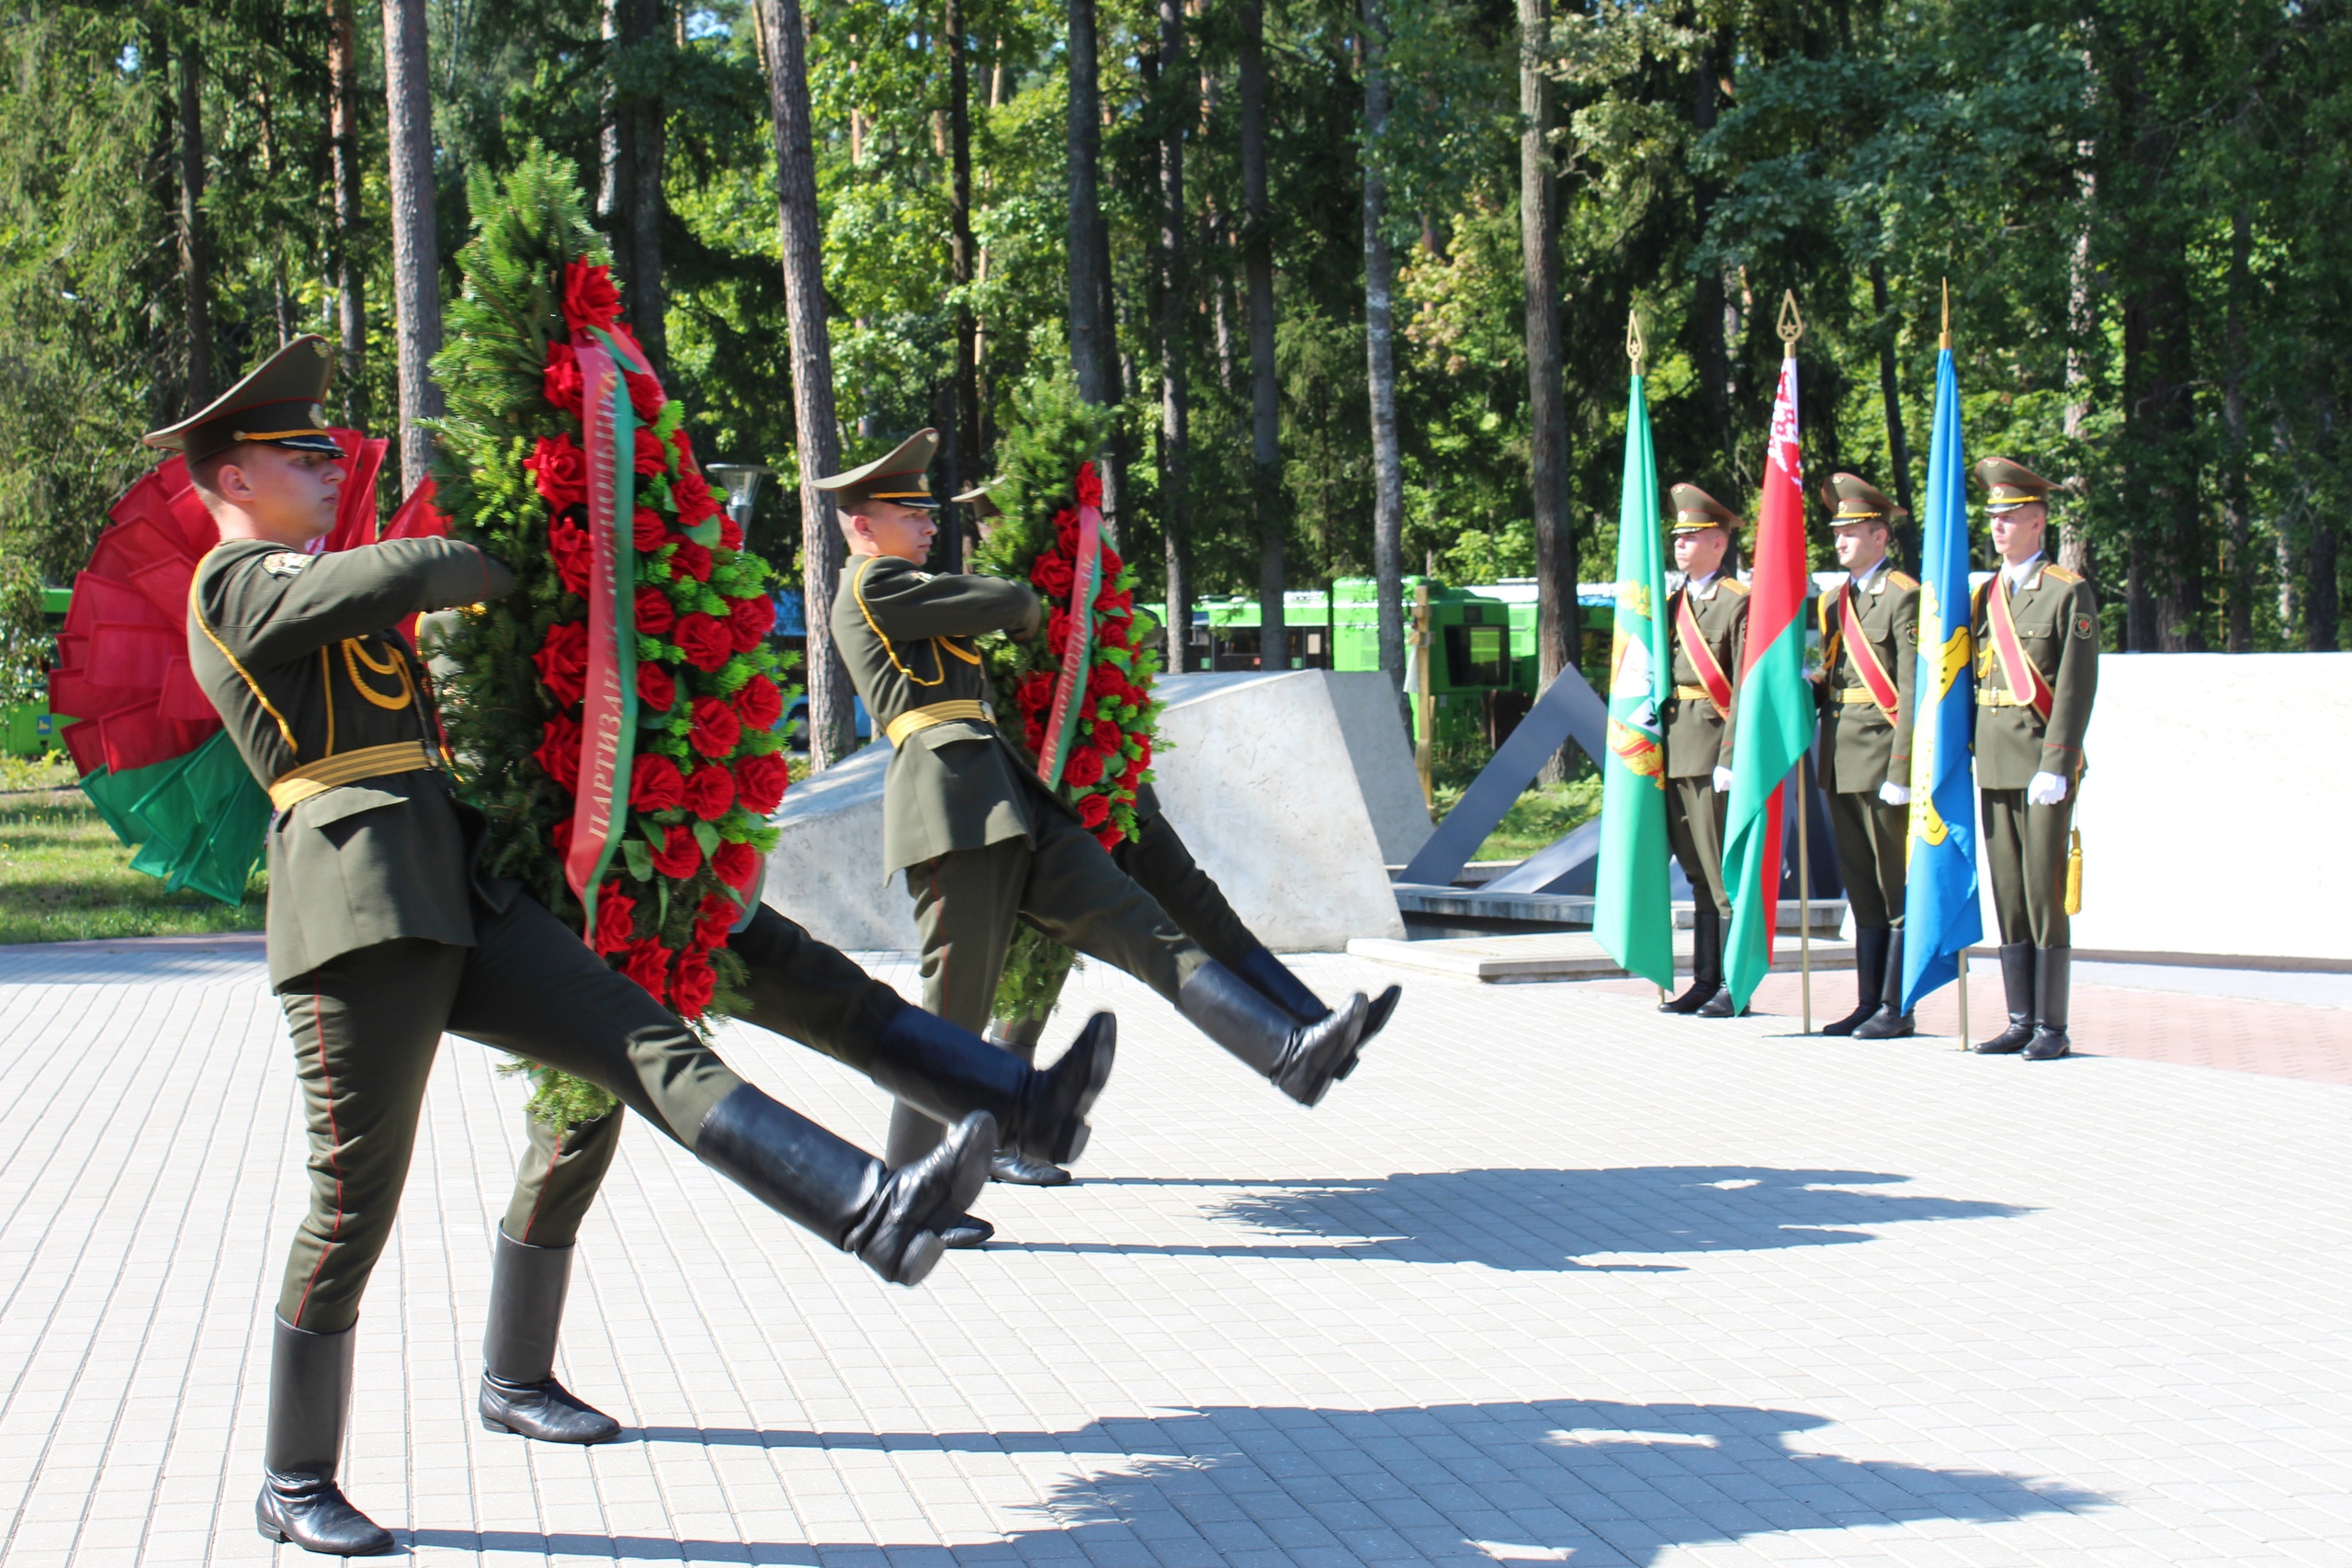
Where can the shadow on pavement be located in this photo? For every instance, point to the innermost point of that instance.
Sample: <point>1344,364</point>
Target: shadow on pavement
<point>1516,1218</point>
<point>1593,1481</point>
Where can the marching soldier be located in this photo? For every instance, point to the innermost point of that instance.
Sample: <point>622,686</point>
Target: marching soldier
<point>1870,644</point>
<point>1707,620</point>
<point>2037,670</point>
<point>384,932</point>
<point>982,840</point>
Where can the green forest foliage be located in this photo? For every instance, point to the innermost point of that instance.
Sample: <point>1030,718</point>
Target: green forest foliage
<point>2140,206</point>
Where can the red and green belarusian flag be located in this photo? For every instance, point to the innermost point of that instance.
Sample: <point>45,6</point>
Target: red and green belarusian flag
<point>1775,709</point>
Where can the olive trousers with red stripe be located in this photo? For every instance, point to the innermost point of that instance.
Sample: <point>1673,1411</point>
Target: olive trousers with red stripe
<point>366,1027</point>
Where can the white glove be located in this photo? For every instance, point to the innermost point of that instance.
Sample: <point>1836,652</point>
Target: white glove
<point>1895,794</point>
<point>1722,781</point>
<point>2046,789</point>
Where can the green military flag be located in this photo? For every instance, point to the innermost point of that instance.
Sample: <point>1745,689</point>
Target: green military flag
<point>1633,906</point>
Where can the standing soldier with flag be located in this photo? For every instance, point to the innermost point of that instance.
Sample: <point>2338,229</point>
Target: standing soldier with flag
<point>1870,632</point>
<point>1707,621</point>
<point>2037,670</point>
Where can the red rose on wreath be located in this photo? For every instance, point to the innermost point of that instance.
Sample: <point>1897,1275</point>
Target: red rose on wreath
<point>645,398</point>
<point>562,382</point>
<point>692,560</point>
<point>654,613</point>
<point>575,563</point>
<point>1092,811</point>
<point>716,727</point>
<point>759,704</point>
<point>562,660</point>
<point>615,919</point>
<point>704,640</point>
<point>714,919</point>
<point>677,857</point>
<point>1110,563</point>
<point>1052,575</point>
<point>647,530</point>
<point>650,458</point>
<point>558,752</point>
<point>1090,486</point>
<point>760,782</point>
<point>561,837</point>
<point>691,992</point>
<point>655,689</point>
<point>691,494</point>
<point>1109,738</point>
<point>1056,633</point>
<point>560,470</point>
<point>710,790</point>
<point>589,298</point>
<point>749,620</point>
<point>1145,760</point>
<point>736,864</point>
<point>730,533</point>
<point>1035,692</point>
<point>1082,769</point>
<point>1109,838</point>
<point>1130,779</point>
<point>655,784</point>
<point>1035,734</point>
<point>647,963</point>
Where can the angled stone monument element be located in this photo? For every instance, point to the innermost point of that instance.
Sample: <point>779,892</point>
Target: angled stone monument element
<point>1293,789</point>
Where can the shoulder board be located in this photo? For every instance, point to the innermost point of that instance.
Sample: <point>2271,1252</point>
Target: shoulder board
<point>1736,586</point>
<point>2062,574</point>
<point>1905,581</point>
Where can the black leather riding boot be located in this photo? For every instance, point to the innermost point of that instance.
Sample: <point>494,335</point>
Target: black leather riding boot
<point>890,1217</point>
<point>2052,989</point>
<point>1020,1036</point>
<point>1271,979</point>
<point>2017,987</point>
<point>1300,1059</point>
<point>1706,962</point>
<point>310,1402</point>
<point>519,1390</point>
<point>1869,977</point>
<point>947,1073</point>
<point>1890,1021</point>
<point>1717,1003</point>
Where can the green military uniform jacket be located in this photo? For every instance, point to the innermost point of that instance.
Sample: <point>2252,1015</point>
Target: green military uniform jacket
<point>955,783</point>
<point>2057,621</point>
<point>299,656</point>
<point>1861,747</point>
<point>1698,738</point>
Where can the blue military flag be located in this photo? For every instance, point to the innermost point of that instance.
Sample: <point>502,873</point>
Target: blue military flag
<point>1940,911</point>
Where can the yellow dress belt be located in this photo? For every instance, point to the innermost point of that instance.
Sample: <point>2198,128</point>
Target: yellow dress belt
<point>1853,694</point>
<point>1694,693</point>
<point>955,710</point>
<point>298,785</point>
<point>1988,699</point>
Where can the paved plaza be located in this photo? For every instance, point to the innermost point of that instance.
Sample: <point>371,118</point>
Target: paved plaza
<point>1550,1279</point>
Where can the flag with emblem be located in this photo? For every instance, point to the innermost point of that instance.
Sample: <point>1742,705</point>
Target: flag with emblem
<point>1775,712</point>
<point>1940,918</point>
<point>1633,912</point>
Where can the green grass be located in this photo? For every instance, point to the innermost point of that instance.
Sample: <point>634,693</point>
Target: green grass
<point>65,877</point>
<point>1540,816</point>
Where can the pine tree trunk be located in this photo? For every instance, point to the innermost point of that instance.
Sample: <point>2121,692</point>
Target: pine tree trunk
<point>350,276</point>
<point>1175,297</point>
<point>1710,308</point>
<point>1094,332</point>
<point>196,251</point>
<point>817,436</point>
<point>1265,427</point>
<point>1898,447</point>
<point>647,294</point>
<point>416,248</point>
<point>1380,354</point>
<point>2236,505</point>
<point>965,458</point>
<point>1557,623</point>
